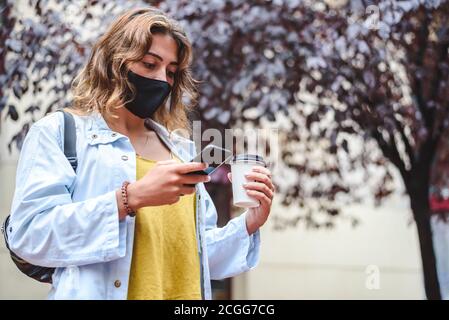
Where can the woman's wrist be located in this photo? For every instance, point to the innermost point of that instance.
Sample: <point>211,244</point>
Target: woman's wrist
<point>122,213</point>
<point>133,197</point>
<point>131,201</point>
<point>251,224</point>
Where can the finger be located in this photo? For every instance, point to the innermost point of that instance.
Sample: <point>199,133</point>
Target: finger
<point>183,190</point>
<point>265,201</point>
<point>260,177</point>
<point>230,176</point>
<point>259,187</point>
<point>193,178</point>
<point>183,168</point>
<point>263,170</point>
<point>174,200</point>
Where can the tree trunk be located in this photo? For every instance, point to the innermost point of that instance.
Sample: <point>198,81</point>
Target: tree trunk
<point>419,202</point>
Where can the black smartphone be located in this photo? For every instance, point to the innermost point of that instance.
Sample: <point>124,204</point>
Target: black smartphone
<point>214,156</point>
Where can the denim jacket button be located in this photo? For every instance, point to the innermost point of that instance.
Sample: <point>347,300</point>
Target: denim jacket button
<point>94,136</point>
<point>114,134</point>
<point>124,158</point>
<point>117,283</point>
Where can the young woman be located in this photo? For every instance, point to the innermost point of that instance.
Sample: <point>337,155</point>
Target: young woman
<point>129,224</point>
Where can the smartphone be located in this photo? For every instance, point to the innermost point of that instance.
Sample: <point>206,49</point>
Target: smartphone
<point>214,156</point>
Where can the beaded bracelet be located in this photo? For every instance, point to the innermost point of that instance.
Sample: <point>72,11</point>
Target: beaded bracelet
<point>124,189</point>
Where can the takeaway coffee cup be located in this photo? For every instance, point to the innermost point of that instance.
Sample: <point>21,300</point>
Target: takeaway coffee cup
<point>240,165</point>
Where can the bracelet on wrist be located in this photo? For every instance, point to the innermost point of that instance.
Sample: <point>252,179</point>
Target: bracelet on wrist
<point>130,212</point>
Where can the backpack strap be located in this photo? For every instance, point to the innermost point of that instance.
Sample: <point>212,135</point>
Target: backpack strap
<point>70,139</point>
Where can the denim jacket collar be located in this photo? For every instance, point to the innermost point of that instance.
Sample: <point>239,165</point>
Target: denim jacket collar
<point>99,133</point>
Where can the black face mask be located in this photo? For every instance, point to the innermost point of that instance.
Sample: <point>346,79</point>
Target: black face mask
<point>150,94</point>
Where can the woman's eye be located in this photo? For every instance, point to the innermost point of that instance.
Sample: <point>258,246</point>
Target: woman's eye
<point>149,65</point>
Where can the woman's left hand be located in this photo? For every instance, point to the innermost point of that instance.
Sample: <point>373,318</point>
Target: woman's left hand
<point>261,188</point>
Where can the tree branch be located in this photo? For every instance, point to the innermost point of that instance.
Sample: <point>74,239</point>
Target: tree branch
<point>391,153</point>
<point>408,147</point>
<point>423,38</point>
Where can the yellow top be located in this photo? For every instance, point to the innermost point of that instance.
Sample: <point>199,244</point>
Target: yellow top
<point>165,262</point>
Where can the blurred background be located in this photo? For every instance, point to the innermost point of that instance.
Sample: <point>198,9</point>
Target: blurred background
<point>358,94</point>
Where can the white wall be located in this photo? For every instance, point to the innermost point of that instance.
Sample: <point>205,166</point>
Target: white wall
<point>323,264</point>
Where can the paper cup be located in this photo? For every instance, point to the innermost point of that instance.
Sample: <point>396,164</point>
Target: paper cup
<point>240,165</point>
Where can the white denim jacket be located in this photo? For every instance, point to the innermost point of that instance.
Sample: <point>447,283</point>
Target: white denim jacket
<point>70,221</point>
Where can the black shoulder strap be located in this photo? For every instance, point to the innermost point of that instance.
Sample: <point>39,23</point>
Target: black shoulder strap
<point>70,139</point>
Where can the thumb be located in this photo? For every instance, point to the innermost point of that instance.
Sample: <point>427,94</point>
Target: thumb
<point>230,176</point>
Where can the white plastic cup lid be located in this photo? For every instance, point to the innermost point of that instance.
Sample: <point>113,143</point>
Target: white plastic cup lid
<point>244,157</point>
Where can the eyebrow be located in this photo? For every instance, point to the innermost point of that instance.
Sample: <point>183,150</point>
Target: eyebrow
<point>160,58</point>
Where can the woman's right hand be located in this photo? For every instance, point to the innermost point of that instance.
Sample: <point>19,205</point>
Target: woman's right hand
<point>165,183</point>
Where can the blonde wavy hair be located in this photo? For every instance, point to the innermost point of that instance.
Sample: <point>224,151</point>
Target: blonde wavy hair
<point>102,85</point>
